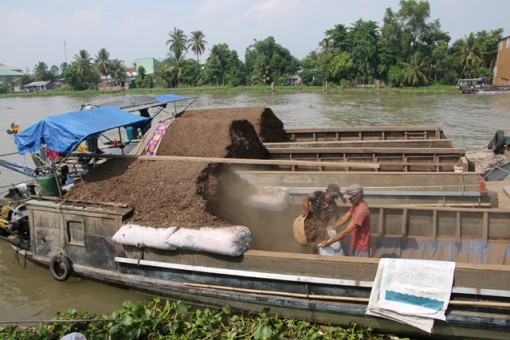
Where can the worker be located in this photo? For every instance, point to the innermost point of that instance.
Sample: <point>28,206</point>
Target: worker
<point>359,225</point>
<point>321,204</point>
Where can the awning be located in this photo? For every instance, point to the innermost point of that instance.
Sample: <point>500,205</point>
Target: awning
<point>170,98</point>
<point>64,132</point>
<point>136,102</point>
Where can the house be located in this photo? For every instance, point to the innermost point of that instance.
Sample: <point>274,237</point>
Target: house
<point>37,86</point>
<point>294,80</point>
<point>502,68</point>
<point>149,64</point>
<point>9,73</point>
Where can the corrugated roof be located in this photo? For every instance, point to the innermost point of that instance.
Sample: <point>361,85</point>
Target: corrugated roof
<point>6,68</point>
<point>38,83</point>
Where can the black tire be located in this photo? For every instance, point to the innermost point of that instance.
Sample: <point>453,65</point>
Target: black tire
<point>497,143</point>
<point>60,267</point>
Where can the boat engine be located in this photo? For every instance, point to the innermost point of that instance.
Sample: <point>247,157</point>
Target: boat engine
<point>19,222</point>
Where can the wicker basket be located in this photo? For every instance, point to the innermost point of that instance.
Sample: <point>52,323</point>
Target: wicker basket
<point>299,230</point>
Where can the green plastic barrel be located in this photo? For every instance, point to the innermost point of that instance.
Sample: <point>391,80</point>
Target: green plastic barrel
<point>131,133</point>
<point>48,186</point>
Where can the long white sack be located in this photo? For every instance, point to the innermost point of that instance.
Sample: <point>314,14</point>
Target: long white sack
<point>140,236</point>
<point>231,241</point>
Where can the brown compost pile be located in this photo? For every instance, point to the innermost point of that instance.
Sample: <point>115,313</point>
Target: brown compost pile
<point>185,193</point>
<point>229,133</point>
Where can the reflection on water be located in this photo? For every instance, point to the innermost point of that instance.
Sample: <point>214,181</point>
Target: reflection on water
<point>33,294</point>
<point>469,120</point>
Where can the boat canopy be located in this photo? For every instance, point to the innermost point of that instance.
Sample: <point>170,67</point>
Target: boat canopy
<point>64,132</point>
<point>136,102</point>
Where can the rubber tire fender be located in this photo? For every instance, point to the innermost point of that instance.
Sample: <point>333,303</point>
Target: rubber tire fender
<point>497,142</point>
<point>60,267</point>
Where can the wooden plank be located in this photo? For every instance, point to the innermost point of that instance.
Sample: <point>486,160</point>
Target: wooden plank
<point>366,133</point>
<point>467,181</point>
<point>370,150</point>
<point>388,128</point>
<point>403,225</point>
<point>261,161</point>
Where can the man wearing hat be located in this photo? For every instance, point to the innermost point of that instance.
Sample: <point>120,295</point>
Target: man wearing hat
<point>359,225</point>
<point>322,203</point>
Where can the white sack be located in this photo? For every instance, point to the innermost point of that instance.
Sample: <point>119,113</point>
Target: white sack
<point>139,236</point>
<point>231,241</point>
<point>335,249</point>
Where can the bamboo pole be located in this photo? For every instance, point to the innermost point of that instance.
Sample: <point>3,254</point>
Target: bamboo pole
<point>364,165</point>
<point>338,298</point>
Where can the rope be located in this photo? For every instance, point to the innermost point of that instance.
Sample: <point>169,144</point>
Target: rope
<point>16,256</point>
<point>9,154</point>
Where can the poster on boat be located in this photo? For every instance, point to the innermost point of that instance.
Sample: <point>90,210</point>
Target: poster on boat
<point>412,291</point>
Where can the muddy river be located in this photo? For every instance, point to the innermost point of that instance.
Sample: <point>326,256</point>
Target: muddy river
<point>30,293</point>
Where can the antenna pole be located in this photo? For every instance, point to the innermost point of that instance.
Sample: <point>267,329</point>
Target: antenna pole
<point>65,51</point>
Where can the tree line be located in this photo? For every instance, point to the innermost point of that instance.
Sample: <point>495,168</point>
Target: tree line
<point>409,49</point>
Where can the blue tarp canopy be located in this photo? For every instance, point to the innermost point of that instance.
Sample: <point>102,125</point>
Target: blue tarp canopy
<point>64,132</point>
<point>136,102</point>
<point>169,98</point>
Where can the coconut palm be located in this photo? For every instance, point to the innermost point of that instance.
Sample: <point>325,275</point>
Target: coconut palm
<point>41,71</point>
<point>197,43</point>
<point>102,62</point>
<point>467,50</point>
<point>326,49</point>
<point>118,71</point>
<point>415,71</point>
<point>83,62</point>
<point>178,44</point>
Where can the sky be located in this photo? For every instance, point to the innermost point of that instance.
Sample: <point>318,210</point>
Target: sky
<point>53,31</point>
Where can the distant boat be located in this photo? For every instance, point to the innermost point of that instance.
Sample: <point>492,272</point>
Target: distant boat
<point>480,85</point>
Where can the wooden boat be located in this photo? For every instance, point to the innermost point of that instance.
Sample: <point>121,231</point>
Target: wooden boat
<point>76,237</point>
<point>389,159</point>
<point>480,85</point>
<point>393,148</point>
<point>466,226</point>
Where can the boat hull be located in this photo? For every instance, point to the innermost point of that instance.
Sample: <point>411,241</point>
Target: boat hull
<point>326,289</point>
<point>337,299</point>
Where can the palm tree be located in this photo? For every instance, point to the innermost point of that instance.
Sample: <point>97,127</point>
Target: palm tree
<point>415,71</point>
<point>177,43</point>
<point>197,43</point>
<point>326,48</point>
<point>54,70</point>
<point>467,50</point>
<point>167,72</point>
<point>41,71</point>
<point>64,66</point>
<point>118,71</point>
<point>83,62</point>
<point>102,62</point>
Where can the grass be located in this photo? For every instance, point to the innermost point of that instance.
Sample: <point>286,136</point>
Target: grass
<point>190,90</point>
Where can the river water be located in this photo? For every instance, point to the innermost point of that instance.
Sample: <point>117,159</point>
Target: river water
<point>31,293</point>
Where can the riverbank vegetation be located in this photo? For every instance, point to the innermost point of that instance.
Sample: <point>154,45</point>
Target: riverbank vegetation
<point>408,50</point>
<point>156,319</point>
<point>196,90</point>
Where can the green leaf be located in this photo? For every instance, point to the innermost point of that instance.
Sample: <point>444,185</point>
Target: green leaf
<point>263,332</point>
